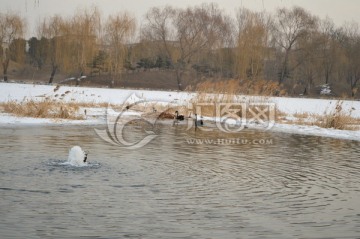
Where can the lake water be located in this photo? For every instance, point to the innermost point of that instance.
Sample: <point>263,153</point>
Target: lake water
<point>276,186</point>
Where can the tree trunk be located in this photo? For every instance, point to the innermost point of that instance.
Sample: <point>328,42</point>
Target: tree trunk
<point>353,86</point>
<point>178,79</point>
<point>327,76</point>
<point>79,79</point>
<point>284,68</point>
<point>5,68</point>
<point>54,68</point>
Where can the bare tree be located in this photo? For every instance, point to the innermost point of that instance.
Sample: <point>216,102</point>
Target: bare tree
<point>119,29</point>
<point>11,28</point>
<point>158,30</point>
<point>350,42</point>
<point>329,48</point>
<point>198,29</point>
<point>184,34</point>
<point>289,27</point>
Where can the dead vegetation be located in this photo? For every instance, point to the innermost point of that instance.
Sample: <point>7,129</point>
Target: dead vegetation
<point>43,109</point>
<point>210,94</point>
<point>228,92</point>
<point>236,87</point>
<point>338,119</point>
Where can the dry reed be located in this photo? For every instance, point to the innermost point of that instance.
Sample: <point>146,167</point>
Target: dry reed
<point>338,119</point>
<point>234,86</point>
<point>43,109</point>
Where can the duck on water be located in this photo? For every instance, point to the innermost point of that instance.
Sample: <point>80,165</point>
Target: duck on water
<point>179,117</point>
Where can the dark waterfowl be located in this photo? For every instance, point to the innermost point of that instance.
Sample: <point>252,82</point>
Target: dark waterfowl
<point>179,117</point>
<point>199,122</point>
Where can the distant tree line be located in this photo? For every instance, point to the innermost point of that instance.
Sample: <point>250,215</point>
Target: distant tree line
<point>290,46</point>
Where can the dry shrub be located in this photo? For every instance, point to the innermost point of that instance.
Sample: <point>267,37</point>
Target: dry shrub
<point>279,115</point>
<point>262,87</point>
<point>166,115</point>
<point>208,93</point>
<point>169,112</point>
<point>234,86</point>
<point>149,107</point>
<point>229,91</point>
<point>303,115</point>
<point>338,119</point>
<point>90,104</point>
<point>220,87</point>
<point>43,109</point>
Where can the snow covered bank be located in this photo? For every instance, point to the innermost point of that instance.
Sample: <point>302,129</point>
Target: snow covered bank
<point>288,106</point>
<point>314,106</point>
<point>19,92</point>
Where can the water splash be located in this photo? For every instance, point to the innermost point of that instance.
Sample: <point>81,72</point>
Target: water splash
<point>77,157</point>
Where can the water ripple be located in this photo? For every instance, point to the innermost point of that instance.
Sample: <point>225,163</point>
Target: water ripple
<point>300,186</point>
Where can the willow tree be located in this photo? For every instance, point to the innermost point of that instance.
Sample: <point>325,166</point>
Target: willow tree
<point>12,28</point>
<point>252,43</point>
<point>53,29</point>
<point>119,29</point>
<point>84,30</point>
<point>38,50</point>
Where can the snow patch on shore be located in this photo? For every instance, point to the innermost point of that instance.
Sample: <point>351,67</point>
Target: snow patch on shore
<point>288,106</point>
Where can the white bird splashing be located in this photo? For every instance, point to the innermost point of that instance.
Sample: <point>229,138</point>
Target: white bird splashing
<point>77,157</point>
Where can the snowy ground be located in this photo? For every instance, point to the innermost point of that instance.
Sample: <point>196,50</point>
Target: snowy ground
<point>288,106</point>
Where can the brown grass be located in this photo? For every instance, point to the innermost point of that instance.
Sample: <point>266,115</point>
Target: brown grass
<point>43,109</point>
<point>279,115</point>
<point>205,103</point>
<point>169,112</point>
<point>341,121</point>
<point>166,115</point>
<point>304,115</point>
<point>338,119</point>
<point>235,87</point>
<point>228,91</point>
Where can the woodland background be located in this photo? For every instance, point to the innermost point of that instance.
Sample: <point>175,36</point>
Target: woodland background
<point>287,52</point>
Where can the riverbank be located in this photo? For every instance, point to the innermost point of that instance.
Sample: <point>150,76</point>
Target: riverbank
<point>294,115</point>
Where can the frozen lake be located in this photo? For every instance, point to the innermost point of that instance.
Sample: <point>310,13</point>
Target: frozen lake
<point>296,186</point>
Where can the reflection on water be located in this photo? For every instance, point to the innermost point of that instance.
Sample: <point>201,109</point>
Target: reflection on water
<point>298,186</point>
